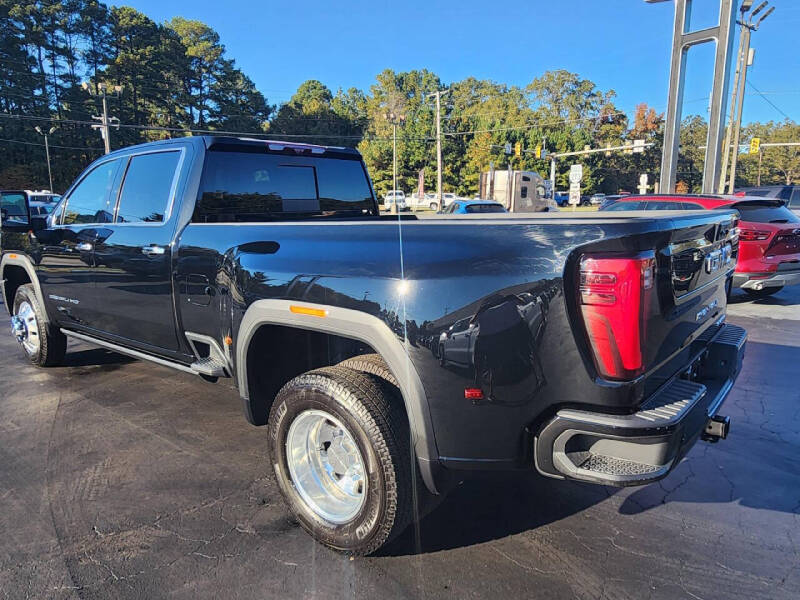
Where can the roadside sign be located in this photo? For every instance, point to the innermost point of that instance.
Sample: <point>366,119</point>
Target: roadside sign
<point>575,193</point>
<point>638,146</point>
<point>576,173</point>
<point>508,148</point>
<point>755,145</point>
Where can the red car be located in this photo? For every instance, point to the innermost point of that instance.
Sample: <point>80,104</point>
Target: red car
<point>769,236</point>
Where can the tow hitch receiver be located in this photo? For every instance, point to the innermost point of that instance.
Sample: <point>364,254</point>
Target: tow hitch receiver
<point>717,428</point>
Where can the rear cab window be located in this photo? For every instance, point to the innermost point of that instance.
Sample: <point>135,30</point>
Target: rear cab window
<point>147,187</point>
<point>252,186</point>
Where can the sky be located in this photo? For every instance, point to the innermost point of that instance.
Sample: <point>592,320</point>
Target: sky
<point>622,45</point>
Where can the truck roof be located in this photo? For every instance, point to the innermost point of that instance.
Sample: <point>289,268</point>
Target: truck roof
<point>230,142</point>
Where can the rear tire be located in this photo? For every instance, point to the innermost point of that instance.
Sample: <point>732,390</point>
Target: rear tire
<point>434,207</point>
<point>373,364</point>
<point>44,345</point>
<point>372,426</point>
<point>762,293</point>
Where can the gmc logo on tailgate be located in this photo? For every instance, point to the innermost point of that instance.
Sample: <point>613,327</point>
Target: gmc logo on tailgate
<point>718,258</point>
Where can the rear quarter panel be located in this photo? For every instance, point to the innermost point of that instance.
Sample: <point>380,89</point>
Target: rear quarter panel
<point>505,272</point>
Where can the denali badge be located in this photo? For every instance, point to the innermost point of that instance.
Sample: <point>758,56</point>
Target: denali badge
<point>702,314</point>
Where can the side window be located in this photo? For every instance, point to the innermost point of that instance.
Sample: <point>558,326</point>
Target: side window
<point>785,193</point>
<point>146,189</point>
<point>524,192</point>
<point>626,206</point>
<point>92,201</point>
<point>12,207</point>
<point>691,206</point>
<point>795,201</point>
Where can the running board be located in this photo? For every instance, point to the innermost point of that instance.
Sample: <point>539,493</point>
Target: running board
<point>129,352</point>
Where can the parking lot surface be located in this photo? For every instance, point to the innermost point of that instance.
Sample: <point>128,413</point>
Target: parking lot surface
<point>121,479</point>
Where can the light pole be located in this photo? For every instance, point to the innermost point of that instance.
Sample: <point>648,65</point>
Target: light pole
<point>47,151</point>
<point>105,121</point>
<point>395,119</point>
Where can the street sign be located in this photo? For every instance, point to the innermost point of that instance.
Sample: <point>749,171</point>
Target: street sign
<point>755,145</point>
<point>576,173</point>
<point>638,146</point>
<point>643,183</point>
<point>508,148</point>
<point>575,193</point>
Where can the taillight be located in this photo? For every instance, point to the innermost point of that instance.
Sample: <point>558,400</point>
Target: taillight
<point>753,235</point>
<point>614,297</point>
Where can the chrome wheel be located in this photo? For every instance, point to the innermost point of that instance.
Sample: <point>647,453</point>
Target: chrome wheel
<point>25,328</point>
<point>326,467</point>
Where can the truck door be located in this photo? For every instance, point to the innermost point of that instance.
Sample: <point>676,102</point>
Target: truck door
<point>133,255</point>
<point>65,269</point>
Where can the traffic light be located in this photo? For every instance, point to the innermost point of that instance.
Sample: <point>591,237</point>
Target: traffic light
<point>755,145</point>
<point>518,149</point>
<point>539,151</point>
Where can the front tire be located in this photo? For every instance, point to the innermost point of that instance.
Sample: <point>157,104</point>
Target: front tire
<point>43,344</point>
<point>434,207</point>
<point>340,449</point>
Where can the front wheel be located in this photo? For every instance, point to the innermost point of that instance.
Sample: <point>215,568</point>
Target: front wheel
<point>763,292</point>
<point>340,448</point>
<point>43,344</point>
<point>433,206</point>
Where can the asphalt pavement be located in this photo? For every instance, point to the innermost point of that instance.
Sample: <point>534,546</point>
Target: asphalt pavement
<point>122,479</point>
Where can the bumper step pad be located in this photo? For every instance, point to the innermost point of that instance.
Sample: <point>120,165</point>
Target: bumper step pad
<point>610,465</point>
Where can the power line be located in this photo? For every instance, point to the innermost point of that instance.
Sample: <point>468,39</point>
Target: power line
<point>768,101</point>
<point>51,145</point>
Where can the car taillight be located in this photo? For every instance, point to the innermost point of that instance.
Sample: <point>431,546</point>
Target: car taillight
<point>614,297</point>
<point>753,235</point>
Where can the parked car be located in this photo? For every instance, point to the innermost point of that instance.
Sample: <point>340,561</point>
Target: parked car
<point>595,200</point>
<point>397,197</point>
<point>41,209</point>
<point>469,207</point>
<point>426,201</point>
<point>789,193</point>
<point>611,199</point>
<point>561,198</point>
<point>43,196</point>
<point>269,265</point>
<point>768,240</point>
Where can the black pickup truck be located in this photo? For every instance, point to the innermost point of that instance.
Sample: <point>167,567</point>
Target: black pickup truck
<point>383,351</point>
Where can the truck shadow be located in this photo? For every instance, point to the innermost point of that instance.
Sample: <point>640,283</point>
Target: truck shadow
<point>492,506</point>
<point>106,360</point>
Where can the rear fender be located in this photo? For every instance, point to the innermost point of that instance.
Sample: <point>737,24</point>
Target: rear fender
<point>365,328</point>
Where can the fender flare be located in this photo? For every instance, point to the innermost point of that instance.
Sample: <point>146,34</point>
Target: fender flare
<point>363,327</point>
<point>24,262</point>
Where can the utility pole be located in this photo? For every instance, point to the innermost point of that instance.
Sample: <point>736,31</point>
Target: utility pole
<point>438,95</point>
<point>395,119</point>
<point>47,151</point>
<point>745,60</point>
<point>105,121</point>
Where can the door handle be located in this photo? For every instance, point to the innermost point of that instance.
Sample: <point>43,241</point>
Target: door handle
<point>153,250</point>
<point>84,247</point>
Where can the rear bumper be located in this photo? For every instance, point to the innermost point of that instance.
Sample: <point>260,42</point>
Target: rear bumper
<point>635,449</point>
<point>779,278</point>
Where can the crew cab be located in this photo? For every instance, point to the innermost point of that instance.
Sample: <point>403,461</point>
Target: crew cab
<point>598,349</point>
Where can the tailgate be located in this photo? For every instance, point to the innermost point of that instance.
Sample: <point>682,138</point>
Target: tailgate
<point>642,299</point>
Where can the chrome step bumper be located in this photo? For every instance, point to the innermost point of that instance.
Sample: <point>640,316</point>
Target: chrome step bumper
<point>635,449</point>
